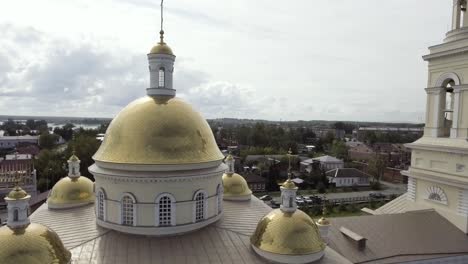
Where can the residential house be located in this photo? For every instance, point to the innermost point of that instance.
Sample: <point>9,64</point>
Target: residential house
<point>348,177</point>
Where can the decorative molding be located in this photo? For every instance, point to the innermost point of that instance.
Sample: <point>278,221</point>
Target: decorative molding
<point>462,207</point>
<point>411,193</point>
<point>434,90</point>
<point>436,194</point>
<point>445,76</point>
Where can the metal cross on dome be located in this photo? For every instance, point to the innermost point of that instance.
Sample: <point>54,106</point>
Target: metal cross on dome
<point>289,159</point>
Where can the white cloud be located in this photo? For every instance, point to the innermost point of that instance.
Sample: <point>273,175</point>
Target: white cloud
<point>342,60</point>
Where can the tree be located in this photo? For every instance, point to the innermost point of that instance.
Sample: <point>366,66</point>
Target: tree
<point>50,167</point>
<point>84,146</point>
<point>47,140</point>
<point>66,132</point>
<point>376,167</point>
<point>340,150</point>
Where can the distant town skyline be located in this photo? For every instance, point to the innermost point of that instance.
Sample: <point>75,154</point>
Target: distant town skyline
<point>308,60</point>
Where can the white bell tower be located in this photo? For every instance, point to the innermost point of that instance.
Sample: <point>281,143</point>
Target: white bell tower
<point>438,175</point>
<point>18,208</point>
<point>161,67</point>
<point>74,167</point>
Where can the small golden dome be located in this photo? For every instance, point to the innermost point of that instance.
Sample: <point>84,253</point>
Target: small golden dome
<point>323,221</point>
<point>73,158</point>
<point>287,233</point>
<point>235,186</point>
<point>17,193</point>
<point>158,131</point>
<point>229,157</point>
<point>33,244</point>
<point>288,184</point>
<point>71,192</point>
<point>161,48</point>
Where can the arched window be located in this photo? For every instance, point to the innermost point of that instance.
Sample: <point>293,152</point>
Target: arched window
<point>200,206</point>
<point>161,77</point>
<point>165,210</point>
<point>219,193</point>
<point>15,215</point>
<point>436,194</point>
<point>100,205</point>
<point>128,210</point>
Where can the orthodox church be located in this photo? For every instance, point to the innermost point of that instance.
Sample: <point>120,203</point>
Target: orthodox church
<point>164,193</point>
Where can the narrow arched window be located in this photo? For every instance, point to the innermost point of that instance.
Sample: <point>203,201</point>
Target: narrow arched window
<point>161,77</point>
<point>128,211</point>
<point>15,215</point>
<point>219,193</point>
<point>165,215</point>
<point>100,205</point>
<point>200,207</point>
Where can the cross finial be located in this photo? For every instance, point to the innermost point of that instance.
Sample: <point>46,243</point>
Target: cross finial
<point>289,166</point>
<point>161,32</point>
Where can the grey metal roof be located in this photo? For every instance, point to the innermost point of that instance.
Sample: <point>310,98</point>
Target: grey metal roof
<point>226,241</point>
<point>398,238</point>
<point>347,173</point>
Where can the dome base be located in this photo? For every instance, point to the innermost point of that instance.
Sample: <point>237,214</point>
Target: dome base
<point>289,259</point>
<point>67,206</point>
<point>159,231</point>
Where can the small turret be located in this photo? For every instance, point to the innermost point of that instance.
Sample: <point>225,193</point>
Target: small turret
<point>74,166</point>
<point>18,208</point>
<point>324,225</point>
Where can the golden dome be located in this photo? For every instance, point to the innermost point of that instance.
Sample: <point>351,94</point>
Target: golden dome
<point>323,221</point>
<point>288,184</point>
<point>71,192</point>
<point>32,244</point>
<point>74,158</point>
<point>158,131</point>
<point>17,193</point>
<point>161,48</point>
<point>235,186</point>
<point>287,233</point>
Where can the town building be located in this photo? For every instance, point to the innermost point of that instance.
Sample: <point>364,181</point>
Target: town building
<point>324,163</point>
<point>11,142</point>
<point>361,133</point>
<point>348,177</point>
<point>255,182</point>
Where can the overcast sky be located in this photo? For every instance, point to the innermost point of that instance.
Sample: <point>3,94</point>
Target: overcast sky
<point>261,59</point>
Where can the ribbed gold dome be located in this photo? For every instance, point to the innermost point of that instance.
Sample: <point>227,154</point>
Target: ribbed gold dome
<point>33,244</point>
<point>287,233</point>
<point>289,184</point>
<point>235,185</point>
<point>161,48</point>
<point>158,131</point>
<point>71,192</point>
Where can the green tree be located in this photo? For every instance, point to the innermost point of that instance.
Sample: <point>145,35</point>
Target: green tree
<point>376,167</point>
<point>84,146</point>
<point>47,140</point>
<point>50,167</point>
<point>339,150</point>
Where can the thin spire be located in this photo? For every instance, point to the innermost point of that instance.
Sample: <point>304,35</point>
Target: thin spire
<point>161,32</point>
<point>289,166</point>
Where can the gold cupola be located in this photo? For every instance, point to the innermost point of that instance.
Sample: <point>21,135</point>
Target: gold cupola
<point>161,47</point>
<point>71,191</point>
<point>287,234</point>
<point>234,185</point>
<point>28,243</point>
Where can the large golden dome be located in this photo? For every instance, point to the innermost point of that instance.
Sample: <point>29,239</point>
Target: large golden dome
<point>34,244</point>
<point>158,131</point>
<point>287,234</point>
<point>235,186</point>
<point>71,192</point>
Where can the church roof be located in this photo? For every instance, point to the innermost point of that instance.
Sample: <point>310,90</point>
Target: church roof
<point>226,241</point>
<point>397,238</point>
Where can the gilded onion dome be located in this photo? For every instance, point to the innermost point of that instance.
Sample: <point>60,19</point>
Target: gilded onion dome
<point>158,131</point>
<point>235,187</point>
<point>161,47</point>
<point>288,234</point>
<point>24,242</point>
<point>34,243</point>
<point>73,190</point>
